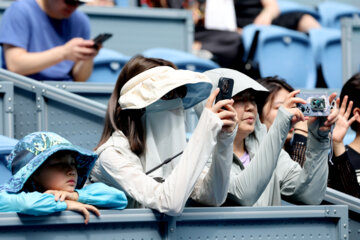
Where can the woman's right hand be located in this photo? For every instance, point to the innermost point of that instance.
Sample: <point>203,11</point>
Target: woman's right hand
<point>228,116</point>
<point>290,105</point>
<point>82,208</point>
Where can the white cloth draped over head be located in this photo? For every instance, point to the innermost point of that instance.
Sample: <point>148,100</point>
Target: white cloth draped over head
<point>163,120</point>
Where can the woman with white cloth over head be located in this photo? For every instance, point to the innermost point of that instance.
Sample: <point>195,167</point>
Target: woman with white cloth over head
<point>262,173</point>
<point>145,126</point>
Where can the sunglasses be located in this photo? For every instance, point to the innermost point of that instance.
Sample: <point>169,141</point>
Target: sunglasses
<point>73,2</point>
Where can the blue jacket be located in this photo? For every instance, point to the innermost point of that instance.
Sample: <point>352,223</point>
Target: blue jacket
<point>36,203</point>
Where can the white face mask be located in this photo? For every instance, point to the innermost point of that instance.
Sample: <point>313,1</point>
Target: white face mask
<point>164,124</point>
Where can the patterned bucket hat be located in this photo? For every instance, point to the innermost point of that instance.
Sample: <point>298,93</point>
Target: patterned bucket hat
<point>34,149</point>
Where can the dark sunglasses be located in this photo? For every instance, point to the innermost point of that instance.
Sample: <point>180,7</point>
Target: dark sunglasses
<point>73,2</point>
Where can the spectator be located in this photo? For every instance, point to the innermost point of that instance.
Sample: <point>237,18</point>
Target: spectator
<point>266,12</point>
<point>47,40</point>
<point>295,143</point>
<point>144,126</point>
<point>46,170</point>
<point>262,173</point>
<point>344,171</point>
<point>342,174</point>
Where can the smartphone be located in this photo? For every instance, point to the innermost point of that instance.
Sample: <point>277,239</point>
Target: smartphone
<point>99,39</point>
<point>226,87</point>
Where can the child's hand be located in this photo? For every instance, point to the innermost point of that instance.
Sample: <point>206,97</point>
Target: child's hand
<point>63,195</point>
<point>82,208</point>
<point>228,116</point>
<point>343,122</point>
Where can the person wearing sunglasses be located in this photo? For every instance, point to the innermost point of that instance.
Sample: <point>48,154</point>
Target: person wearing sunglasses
<point>47,40</point>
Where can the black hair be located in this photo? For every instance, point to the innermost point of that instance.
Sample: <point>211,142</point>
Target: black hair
<point>352,90</point>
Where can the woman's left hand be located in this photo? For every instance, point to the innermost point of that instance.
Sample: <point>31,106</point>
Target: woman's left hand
<point>63,195</point>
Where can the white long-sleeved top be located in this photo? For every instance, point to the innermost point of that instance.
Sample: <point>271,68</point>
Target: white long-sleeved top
<point>119,167</point>
<point>272,173</point>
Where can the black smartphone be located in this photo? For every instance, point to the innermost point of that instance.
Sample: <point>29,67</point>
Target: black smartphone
<point>226,87</point>
<point>99,39</point>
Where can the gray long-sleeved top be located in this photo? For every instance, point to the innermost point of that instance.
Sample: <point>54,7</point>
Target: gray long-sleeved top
<point>272,173</point>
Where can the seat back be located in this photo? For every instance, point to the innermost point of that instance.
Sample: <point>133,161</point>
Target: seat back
<point>183,60</point>
<point>332,12</point>
<point>107,66</point>
<point>285,53</point>
<point>291,6</point>
<point>326,45</point>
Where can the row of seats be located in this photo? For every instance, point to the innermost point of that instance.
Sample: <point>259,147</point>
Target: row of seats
<point>328,13</point>
<point>108,63</point>
<point>296,56</point>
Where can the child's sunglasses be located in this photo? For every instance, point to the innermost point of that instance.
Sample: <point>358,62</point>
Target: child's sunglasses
<point>73,2</point>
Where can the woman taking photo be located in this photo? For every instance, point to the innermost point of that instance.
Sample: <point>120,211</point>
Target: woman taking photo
<point>145,127</point>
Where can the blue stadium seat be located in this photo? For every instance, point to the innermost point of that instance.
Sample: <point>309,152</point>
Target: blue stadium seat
<point>122,3</point>
<point>326,45</point>
<point>291,6</point>
<point>183,60</point>
<point>332,12</point>
<point>107,65</point>
<point>282,52</point>
<point>6,145</point>
<point>0,56</point>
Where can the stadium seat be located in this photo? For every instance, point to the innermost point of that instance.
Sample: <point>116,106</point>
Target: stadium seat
<point>6,145</point>
<point>282,52</point>
<point>183,60</point>
<point>107,66</point>
<point>122,3</point>
<point>332,12</point>
<point>0,56</point>
<point>326,45</point>
<point>291,6</point>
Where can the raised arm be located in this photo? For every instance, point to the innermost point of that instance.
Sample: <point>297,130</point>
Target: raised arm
<point>117,166</point>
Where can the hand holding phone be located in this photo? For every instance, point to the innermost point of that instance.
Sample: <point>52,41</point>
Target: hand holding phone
<point>226,87</point>
<point>99,39</point>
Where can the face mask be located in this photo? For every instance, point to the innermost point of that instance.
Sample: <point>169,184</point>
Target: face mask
<point>164,105</point>
<point>164,124</point>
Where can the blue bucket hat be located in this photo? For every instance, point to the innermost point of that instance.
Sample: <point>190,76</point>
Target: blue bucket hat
<point>34,149</point>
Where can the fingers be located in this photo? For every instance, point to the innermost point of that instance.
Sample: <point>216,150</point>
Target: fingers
<point>348,110</point>
<point>343,105</point>
<point>221,104</point>
<point>293,93</point>
<point>93,209</point>
<point>355,117</point>
<point>86,214</point>
<point>297,100</point>
<point>211,98</point>
<point>332,97</point>
<point>226,114</point>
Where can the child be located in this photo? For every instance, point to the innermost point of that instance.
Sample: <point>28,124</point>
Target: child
<point>48,174</point>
